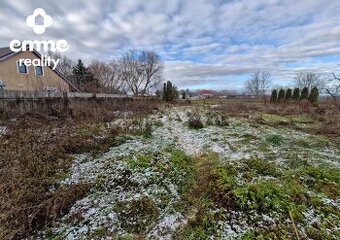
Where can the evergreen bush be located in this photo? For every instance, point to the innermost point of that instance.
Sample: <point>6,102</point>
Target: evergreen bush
<point>281,96</point>
<point>296,94</point>
<point>289,94</point>
<point>304,93</point>
<point>314,95</point>
<point>273,97</point>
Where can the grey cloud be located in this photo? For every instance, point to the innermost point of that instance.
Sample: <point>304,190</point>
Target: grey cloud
<point>200,41</point>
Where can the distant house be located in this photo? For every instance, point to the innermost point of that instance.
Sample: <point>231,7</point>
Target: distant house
<point>14,76</point>
<point>206,94</point>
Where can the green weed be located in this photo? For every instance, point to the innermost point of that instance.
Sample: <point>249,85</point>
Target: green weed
<point>274,139</point>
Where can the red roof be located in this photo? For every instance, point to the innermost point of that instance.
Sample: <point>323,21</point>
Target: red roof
<point>206,92</point>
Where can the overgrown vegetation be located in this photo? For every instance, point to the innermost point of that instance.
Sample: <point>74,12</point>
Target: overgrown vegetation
<point>36,155</point>
<point>260,190</point>
<point>32,164</point>
<point>253,174</point>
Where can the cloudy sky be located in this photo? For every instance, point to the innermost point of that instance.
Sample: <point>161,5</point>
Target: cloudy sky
<point>204,43</point>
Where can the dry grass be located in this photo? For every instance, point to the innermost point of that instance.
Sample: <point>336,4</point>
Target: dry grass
<point>92,110</point>
<point>36,155</point>
<point>32,163</point>
<point>324,116</point>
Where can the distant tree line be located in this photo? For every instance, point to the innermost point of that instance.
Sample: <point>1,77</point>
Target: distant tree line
<point>308,87</point>
<point>295,95</point>
<point>136,72</point>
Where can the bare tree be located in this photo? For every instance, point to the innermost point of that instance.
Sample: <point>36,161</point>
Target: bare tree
<point>65,65</point>
<point>152,69</point>
<point>107,75</point>
<point>259,83</point>
<point>333,89</point>
<point>309,80</point>
<point>140,70</point>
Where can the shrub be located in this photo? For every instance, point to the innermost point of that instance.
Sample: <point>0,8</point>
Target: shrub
<point>216,119</point>
<point>281,96</point>
<point>314,95</point>
<point>296,94</point>
<point>273,97</point>
<point>221,121</point>
<point>304,93</point>
<point>195,121</point>
<point>289,94</point>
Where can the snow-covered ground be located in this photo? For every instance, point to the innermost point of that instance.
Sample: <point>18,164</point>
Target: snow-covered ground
<point>118,179</point>
<point>3,130</point>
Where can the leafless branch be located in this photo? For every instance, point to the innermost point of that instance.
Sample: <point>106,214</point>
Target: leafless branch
<point>259,83</point>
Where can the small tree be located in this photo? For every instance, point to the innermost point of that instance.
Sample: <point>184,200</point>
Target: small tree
<point>83,78</point>
<point>281,96</point>
<point>169,92</point>
<point>273,97</point>
<point>304,93</point>
<point>164,93</point>
<point>174,93</point>
<point>309,80</point>
<point>259,83</point>
<point>314,95</point>
<point>289,94</point>
<point>333,89</point>
<point>183,95</point>
<point>296,94</point>
<point>140,71</point>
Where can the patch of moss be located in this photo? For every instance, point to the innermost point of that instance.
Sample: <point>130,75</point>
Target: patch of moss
<point>141,161</point>
<point>98,233</point>
<point>267,195</point>
<point>185,165</point>
<point>302,143</point>
<point>262,167</point>
<point>312,142</point>
<point>274,139</point>
<point>318,234</point>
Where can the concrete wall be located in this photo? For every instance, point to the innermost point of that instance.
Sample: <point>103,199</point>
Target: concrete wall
<point>20,102</point>
<point>15,94</point>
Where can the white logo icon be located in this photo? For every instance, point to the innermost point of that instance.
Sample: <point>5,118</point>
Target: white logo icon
<point>39,21</point>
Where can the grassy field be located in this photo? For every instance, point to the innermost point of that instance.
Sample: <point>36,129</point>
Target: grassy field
<point>218,170</point>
